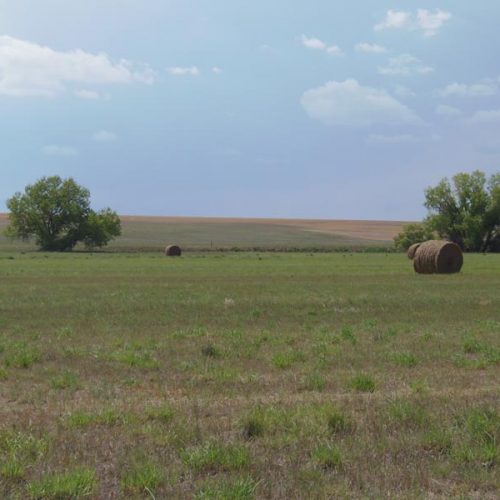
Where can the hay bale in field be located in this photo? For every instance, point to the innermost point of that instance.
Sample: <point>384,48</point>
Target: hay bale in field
<point>412,249</point>
<point>173,251</point>
<point>437,256</point>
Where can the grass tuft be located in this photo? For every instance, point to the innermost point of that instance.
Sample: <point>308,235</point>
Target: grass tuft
<point>67,380</point>
<point>328,457</point>
<point>253,426</point>
<point>362,383</point>
<point>338,423</point>
<point>143,478</point>
<point>314,382</point>
<point>163,414</point>
<point>286,360</point>
<point>240,489</point>
<point>405,359</point>
<point>213,456</point>
<point>210,351</point>
<point>75,484</point>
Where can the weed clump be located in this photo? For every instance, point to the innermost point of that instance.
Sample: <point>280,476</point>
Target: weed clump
<point>210,351</point>
<point>241,489</point>
<point>314,382</point>
<point>143,478</point>
<point>163,414</point>
<point>68,380</point>
<point>213,456</point>
<point>253,426</point>
<point>362,383</point>
<point>328,457</point>
<point>75,484</point>
<point>338,423</point>
<point>405,359</point>
<point>285,360</point>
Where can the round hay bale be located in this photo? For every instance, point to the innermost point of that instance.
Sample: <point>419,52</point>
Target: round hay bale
<point>435,256</point>
<point>173,251</point>
<point>412,250</point>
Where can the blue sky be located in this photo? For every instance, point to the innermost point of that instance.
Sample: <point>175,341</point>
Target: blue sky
<point>314,109</point>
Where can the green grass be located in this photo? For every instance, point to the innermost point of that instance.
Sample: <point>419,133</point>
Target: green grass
<point>217,457</point>
<point>362,383</point>
<point>143,478</point>
<point>75,484</point>
<point>328,456</point>
<point>326,375</point>
<point>240,489</point>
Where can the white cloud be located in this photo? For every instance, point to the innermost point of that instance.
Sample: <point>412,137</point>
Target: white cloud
<point>313,43</point>
<point>216,70</point>
<point>89,95</point>
<point>405,65</point>
<point>395,20</point>
<point>392,139</point>
<point>402,91</point>
<point>486,116</point>
<point>350,104</point>
<point>449,111</point>
<point>334,50</point>
<point>104,136</point>
<point>317,44</point>
<point>424,20</point>
<point>184,71</point>
<point>53,150</point>
<point>431,22</point>
<point>481,89</point>
<point>28,69</point>
<point>370,48</point>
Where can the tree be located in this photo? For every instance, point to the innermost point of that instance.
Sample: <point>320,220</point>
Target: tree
<point>412,233</point>
<point>466,211</point>
<point>57,214</point>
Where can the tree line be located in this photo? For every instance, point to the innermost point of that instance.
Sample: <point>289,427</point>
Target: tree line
<point>56,213</point>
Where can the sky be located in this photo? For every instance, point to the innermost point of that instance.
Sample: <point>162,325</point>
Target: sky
<point>303,109</point>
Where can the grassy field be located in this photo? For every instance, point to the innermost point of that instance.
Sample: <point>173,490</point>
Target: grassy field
<point>245,375</point>
<point>198,233</point>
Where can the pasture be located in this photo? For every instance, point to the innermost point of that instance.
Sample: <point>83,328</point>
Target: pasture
<point>242,375</point>
<point>151,234</point>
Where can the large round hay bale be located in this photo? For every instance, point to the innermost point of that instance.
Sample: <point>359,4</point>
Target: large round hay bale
<point>173,251</point>
<point>412,250</point>
<point>438,256</point>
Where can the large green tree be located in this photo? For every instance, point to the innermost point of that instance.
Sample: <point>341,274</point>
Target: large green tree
<point>465,210</point>
<point>57,214</point>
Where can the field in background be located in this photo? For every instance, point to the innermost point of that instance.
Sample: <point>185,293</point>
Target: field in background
<point>246,375</point>
<point>197,233</point>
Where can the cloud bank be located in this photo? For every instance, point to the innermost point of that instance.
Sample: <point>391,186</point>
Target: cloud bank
<point>31,70</point>
<point>429,23</point>
<point>350,104</point>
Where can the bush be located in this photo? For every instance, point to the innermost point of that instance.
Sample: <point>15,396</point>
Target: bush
<point>412,233</point>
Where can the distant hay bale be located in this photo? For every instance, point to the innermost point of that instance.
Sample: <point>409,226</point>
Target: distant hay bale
<point>173,251</point>
<point>435,256</point>
<point>412,249</point>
